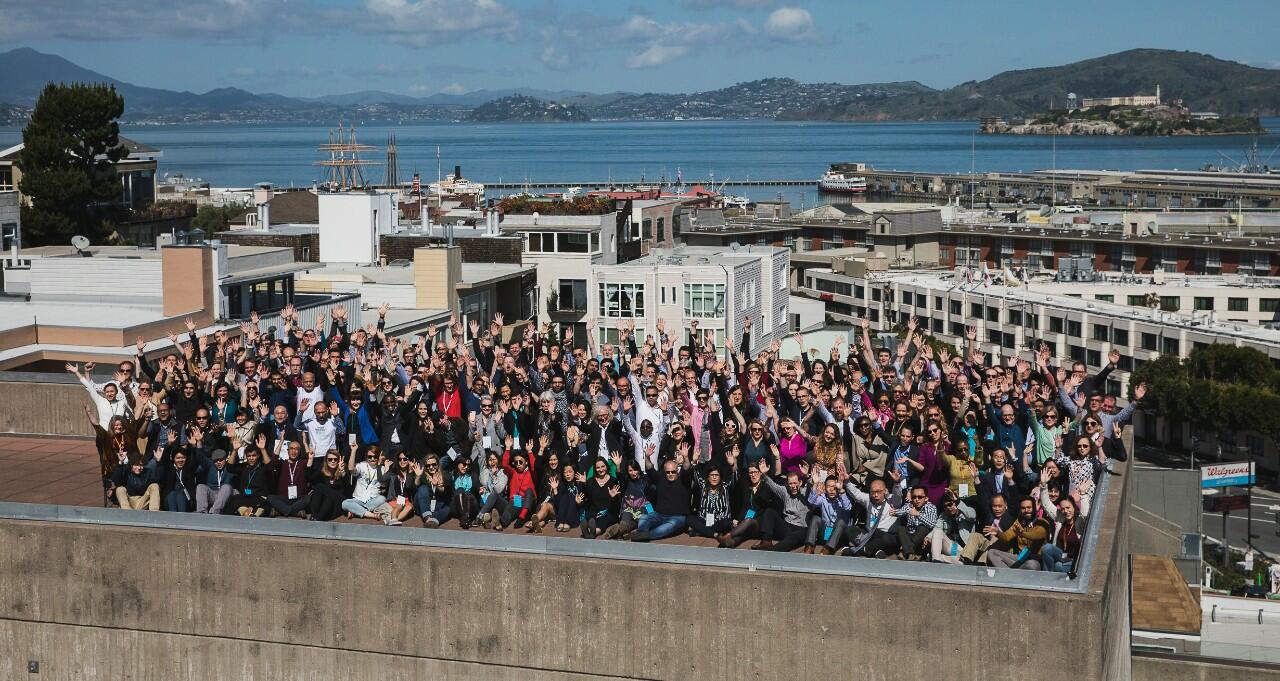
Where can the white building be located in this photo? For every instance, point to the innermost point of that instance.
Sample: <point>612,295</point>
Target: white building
<point>718,287</point>
<point>566,250</point>
<point>351,222</point>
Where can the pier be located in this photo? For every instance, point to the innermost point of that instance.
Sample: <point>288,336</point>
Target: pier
<point>605,184</point>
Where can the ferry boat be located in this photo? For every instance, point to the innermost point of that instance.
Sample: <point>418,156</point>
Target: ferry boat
<point>842,182</point>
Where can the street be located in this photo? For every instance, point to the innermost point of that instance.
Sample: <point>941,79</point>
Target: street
<point>1264,525</point>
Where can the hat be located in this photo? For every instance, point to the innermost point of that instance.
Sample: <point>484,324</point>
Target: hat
<point>219,455</point>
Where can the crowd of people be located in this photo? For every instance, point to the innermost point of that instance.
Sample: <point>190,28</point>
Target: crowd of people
<point>917,451</point>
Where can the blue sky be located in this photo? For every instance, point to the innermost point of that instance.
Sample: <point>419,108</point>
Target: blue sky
<point>315,47</point>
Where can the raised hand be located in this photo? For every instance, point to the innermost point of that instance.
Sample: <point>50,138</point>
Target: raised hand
<point>190,324</point>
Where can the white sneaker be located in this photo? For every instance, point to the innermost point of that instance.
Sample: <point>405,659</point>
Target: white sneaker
<point>393,522</point>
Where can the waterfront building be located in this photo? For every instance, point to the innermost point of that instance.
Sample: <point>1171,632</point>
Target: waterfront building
<point>136,171</point>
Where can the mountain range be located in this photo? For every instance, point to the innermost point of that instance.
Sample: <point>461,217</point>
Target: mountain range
<point>1203,82</point>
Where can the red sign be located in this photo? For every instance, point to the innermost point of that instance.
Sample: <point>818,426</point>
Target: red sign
<point>1225,503</point>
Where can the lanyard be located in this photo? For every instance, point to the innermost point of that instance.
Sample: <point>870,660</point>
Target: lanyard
<point>293,469</point>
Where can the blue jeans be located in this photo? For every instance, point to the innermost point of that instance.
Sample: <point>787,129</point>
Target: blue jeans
<point>422,504</point>
<point>1054,560</point>
<point>659,525</point>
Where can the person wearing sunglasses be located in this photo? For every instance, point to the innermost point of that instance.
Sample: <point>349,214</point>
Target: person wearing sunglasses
<point>330,487</point>
<point>956,522</point>
<point>916,519</point>
<point>367,499</point>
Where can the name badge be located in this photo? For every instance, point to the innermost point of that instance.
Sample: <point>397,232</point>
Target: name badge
<point>648,508</point>
<point>248,491</point>
<point>292,492</point>
<point>518,501</point>
<point>351,439</point>
<point>964,489</point>
<point>710,519</point>
<point>432,508</point>
<point>826,533</point>
<point>486,442</point>
<point>750,514</point>
<point>515,442</point>
<point>400,500</point>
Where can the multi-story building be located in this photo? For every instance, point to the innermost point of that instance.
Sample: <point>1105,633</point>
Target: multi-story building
<point>567,250</point>
<point>136,172</point>
<point>717,287</point>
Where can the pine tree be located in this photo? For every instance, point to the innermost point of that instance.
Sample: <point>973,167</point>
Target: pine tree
<point>71,146</point>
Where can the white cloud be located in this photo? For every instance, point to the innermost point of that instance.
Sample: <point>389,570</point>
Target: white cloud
<point>791,24</point>
<point>553,58</point>
<point>656,55</point>
<point>454,89</point>
<point>105,20</point>
<point>736,4</point>
<point>427,22</point>
<point>662,43</point>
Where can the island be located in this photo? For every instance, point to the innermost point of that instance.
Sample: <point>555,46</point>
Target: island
<point>1156,120</point>
<point>525,109</point>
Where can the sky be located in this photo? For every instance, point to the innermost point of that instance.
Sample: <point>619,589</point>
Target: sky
<point>419,47</point>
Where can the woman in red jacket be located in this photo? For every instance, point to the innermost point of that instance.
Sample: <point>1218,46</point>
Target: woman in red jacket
<point>520,490</point>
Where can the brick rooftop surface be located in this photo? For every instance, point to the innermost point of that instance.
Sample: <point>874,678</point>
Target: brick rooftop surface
<point>1162,601</point>
<point>52,470</point>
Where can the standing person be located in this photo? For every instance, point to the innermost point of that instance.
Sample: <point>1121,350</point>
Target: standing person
<point>321,428</point>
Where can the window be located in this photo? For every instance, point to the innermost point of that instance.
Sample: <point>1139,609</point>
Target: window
<point>1055,325</point>
<point>937,302</point>
<point>537,244</point>
<point>975,310</point>
<point>1015,317</point>
<point>707,300</point>
<point>993,314</point>
<point>907,298</point>
<point>956,307</point>
<point>633,230</point>
<point>1125,363</point>
<point>993,336</point>
<point>1076,353</point>
<point>1007,340</point>
<point>937,326</point>
<point>1137,301</point>
<point>1074,329</point>
<point>1149,341</point>
<point>1169,346</point>
<point>1238,304</point>
<point>646,228</point>
<point>1033,321</point>
<point>1269,305</point>
<point>662,229</point>
<point>1119,337</point>
<point>1168,259</point>
<point>1170,303</point>
<point>572,295</point>
<point>875,295</point>
<point>1101,333</point>
<point>957,329</point>
<point>1105,298</point>
<point>622,300</point>
<point>859,292</point>
<point>6,179</point>
<point>1203,303</point>
<point>574,242</point>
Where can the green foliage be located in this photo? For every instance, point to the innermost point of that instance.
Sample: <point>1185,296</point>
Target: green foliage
<point>212,219</point>
<point>68,162</point>
<point>1220,388</point>
<point>520,204</point>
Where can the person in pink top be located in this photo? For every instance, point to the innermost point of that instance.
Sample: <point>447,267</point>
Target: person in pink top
<point>792,446</point>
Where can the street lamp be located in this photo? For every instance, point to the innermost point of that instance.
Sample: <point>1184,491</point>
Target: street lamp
<point>1248,530</point>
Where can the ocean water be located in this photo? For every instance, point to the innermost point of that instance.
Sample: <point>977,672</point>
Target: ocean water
<point>245,154</point>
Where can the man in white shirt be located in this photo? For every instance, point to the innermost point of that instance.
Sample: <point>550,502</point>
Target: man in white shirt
<point>367,500</point>
<point>322,430</point>
<point>309,395</point>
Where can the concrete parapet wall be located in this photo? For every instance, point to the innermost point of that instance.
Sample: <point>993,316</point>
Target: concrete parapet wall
<point>1155,667</point>
<point>83,596</point>
<point>49,408</point>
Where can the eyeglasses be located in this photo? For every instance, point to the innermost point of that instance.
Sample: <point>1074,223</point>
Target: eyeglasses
<point>671,472</point>
<point>1090,422</point>
<point>919,496</point>
<point>432,465</point>
<point>330,459</point>
<point>1084,446</point>
<point>933,430</point>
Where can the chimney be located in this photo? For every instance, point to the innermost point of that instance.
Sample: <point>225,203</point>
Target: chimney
<point>264,215</point>
<point>457,172</point>
<point>261,193</point>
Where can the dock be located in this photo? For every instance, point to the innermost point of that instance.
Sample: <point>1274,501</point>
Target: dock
<point>605,184</point>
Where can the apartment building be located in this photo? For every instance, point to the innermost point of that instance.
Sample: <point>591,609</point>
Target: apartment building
<point>719,288</point>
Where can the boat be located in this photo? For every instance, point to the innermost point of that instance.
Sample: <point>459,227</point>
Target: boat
<point>842,182</point>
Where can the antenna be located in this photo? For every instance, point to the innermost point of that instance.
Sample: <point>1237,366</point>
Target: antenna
<point>81,243</point>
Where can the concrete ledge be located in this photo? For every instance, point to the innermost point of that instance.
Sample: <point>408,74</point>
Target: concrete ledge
<point>1162,667</point>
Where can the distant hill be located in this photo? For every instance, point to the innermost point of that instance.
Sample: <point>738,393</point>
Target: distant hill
<point>1204,83</point>
<point>523,109</point>
<point>765,98</point>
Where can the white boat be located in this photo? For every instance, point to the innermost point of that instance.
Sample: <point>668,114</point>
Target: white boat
<point>842,182</point>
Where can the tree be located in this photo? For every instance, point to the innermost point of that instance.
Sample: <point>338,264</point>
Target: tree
<point>212,219</point>
<point>1222,389</point>
<point>71,146</point>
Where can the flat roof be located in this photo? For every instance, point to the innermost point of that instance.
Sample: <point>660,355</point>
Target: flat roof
<point>478,273</point>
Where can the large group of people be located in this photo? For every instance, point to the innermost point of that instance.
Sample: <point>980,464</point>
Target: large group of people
<point>915,451</point>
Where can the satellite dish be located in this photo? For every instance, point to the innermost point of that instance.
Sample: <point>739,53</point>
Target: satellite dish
<point>80,242</point>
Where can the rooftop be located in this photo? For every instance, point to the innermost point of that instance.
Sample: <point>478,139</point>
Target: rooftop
<point>679,255</point>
